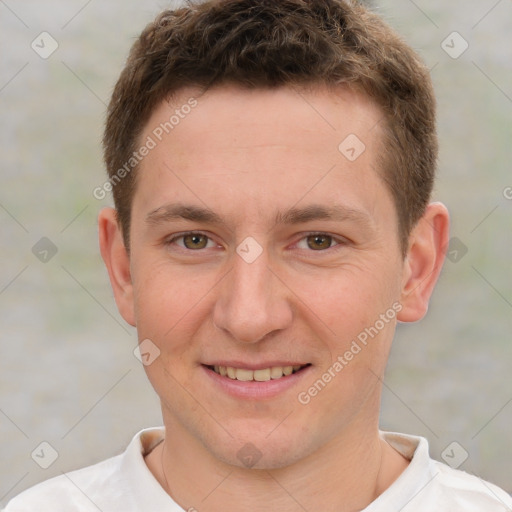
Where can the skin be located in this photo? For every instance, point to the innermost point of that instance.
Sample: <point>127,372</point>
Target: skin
<point>247,156</point>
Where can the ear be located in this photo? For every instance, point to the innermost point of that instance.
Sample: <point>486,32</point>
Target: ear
<point>428,243</point>
<point>117,261</point>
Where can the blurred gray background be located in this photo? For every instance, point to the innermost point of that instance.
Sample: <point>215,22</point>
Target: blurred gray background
<point>68,376</point>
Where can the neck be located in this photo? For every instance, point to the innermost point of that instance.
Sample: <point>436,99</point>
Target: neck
<point>346,474</point>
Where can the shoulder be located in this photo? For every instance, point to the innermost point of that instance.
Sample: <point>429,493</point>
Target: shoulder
<point>69,491</point>
<point>105,486</point>
<point>457,488</point>
<point>428,485</point>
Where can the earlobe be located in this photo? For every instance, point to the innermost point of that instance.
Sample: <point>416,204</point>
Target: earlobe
<point>117,261</point>
<point>428,243</point>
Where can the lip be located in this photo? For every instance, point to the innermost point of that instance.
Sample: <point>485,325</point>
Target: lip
<point>253,366</point>
<point>255,390</point>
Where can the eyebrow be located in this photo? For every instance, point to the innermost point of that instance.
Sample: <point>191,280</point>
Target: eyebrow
<point>171,212</point>
<point>176,211</point>
<point>320,212</point>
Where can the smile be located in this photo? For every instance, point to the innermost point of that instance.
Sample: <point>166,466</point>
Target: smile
<point>261,375</point>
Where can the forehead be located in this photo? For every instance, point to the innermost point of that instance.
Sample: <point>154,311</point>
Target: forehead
<point>317,111</point>
<point>269,146</point>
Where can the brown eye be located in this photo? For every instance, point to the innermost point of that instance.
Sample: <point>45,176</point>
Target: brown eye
<point>319,242</point>
<point>195,241</point>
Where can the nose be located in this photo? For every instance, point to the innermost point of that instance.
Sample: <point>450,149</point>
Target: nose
<point>253,302</point>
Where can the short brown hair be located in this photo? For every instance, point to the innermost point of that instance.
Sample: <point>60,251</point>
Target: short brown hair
<point>267,43</point>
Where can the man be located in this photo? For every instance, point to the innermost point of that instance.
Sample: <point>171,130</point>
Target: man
<point>271,165</point>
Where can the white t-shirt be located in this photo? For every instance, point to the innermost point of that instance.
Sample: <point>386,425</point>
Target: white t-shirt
<point>125,484</point>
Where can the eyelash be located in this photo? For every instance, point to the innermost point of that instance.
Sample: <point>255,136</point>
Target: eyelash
<point>339,241</point>
<point>171,240</point>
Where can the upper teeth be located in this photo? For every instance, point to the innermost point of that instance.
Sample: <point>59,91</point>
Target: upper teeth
<point>276,372</point>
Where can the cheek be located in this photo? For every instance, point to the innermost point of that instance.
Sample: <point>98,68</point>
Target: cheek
<point>169,311</point>
<point>355,309</point>
<point>349,298</point>
<point>168,304</point>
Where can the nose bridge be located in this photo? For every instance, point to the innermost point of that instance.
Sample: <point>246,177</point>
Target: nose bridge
<point>251,304</point>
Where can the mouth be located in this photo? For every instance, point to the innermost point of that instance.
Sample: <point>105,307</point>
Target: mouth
<point>260,375</point>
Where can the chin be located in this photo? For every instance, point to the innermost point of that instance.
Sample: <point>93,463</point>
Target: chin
<point>262,451</point>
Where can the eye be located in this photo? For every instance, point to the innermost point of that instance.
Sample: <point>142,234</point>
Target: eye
<point>192,241</point>
<point>317,242</point>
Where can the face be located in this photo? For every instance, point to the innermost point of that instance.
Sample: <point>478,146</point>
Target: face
<point>262,243</point>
